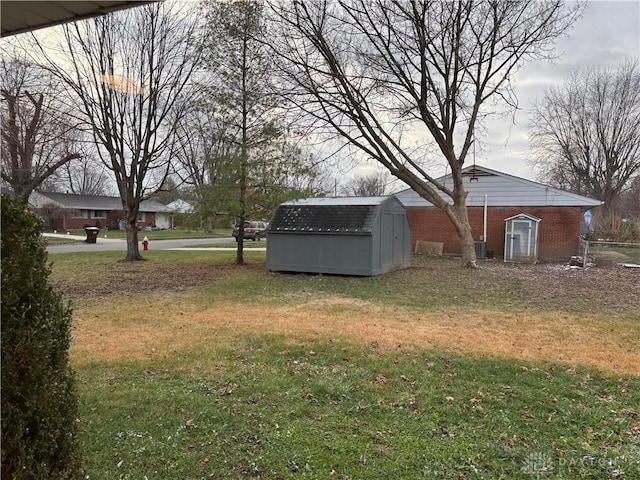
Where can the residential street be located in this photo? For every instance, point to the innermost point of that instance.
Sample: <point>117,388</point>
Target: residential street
<point>107,244</point>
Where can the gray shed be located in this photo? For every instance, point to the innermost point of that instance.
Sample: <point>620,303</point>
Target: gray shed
<point>348,236</point>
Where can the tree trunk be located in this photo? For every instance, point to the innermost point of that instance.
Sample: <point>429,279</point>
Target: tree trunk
<point>133,249</point>
<point>22,194</point>
<point>460,219</point>
<point>468,247</point>
<point>243,155</point>
<point>240,246</point>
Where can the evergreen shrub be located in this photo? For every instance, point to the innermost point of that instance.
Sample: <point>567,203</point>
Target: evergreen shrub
<point>39,402</point>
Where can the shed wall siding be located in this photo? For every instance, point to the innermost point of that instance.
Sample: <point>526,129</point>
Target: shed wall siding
<point>320,253</point>
<point>349,236</point>
<point>558,234</point>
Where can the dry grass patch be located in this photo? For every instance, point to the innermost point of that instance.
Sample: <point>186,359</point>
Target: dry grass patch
<point>195,301</point>
<point>161,327</point>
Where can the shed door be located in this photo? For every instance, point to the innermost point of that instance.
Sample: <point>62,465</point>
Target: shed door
<point>520,240</point>
<point>398,239</point>
<point>387,245</point>
<point>392,247</point>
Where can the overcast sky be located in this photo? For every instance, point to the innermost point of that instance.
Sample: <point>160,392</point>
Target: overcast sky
<point>607,34</point>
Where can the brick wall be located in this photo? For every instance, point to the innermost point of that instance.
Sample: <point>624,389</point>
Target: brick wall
<point>58,221</point>
<point>558,233</point>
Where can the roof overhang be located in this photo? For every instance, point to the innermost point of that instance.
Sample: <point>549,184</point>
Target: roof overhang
<point>522,216</point>
<point>25,16</point>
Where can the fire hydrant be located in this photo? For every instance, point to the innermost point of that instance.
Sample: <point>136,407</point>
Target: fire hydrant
<point>145,243</point>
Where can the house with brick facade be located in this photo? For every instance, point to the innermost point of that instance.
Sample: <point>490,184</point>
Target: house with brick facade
<point>511,218</point>
<point>64,211</point>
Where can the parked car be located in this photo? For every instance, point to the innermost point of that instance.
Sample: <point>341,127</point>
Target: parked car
<point>253,230</point>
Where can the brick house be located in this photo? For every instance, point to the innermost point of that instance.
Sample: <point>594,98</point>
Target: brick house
<point>64,211</point>
<point>506,212</point>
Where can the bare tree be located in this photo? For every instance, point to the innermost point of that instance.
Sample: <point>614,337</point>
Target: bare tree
<point>387,76</point>
<point>86,176</point>
<point>38,134</point>
<point>586,133</point>
<point>371,185</point>
<point>131,71</point>
<point>630,201</point>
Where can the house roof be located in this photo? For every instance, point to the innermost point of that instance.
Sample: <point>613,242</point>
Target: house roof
<point>336,215</point>
<point>88,202</point>
<point>502,190</point>
<point>180,206</point>
<point>22,16</point>
<point>524,215</point>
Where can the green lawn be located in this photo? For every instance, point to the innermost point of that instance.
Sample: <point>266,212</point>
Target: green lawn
<point>233,244</point>
<point>246,374</point>
<point>617,254</point>
<point>270,407</point>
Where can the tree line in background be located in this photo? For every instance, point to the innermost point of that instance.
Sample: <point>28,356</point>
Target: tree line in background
<point>161,98</point>
<point>586,137</point>
<point>223,105</point>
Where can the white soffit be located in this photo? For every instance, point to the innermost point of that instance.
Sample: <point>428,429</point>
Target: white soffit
<point>25,16</point>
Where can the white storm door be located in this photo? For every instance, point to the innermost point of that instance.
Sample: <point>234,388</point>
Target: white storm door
<point>520,243</point>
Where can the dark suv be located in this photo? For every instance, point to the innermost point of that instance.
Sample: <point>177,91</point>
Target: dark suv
<point>253,230</point>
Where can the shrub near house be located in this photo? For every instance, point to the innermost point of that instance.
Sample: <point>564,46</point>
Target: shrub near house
<point>39,403</point>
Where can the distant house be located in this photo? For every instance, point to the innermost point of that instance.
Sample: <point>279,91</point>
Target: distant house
<point>348,236</point>
<point>177,208</point>
<point>514,218</point>
<point>64,211</point>
<point>180,206</point>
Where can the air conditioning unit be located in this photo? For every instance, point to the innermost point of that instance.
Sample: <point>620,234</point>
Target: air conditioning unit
<point>481,249</point>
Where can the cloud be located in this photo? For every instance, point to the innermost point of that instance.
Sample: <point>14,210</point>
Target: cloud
<point>607,34</point>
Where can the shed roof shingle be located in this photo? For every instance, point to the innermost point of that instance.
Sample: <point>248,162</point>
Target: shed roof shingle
<point>337,215</point>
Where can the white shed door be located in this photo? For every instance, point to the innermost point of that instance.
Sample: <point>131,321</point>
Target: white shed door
<point>520,240</point>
